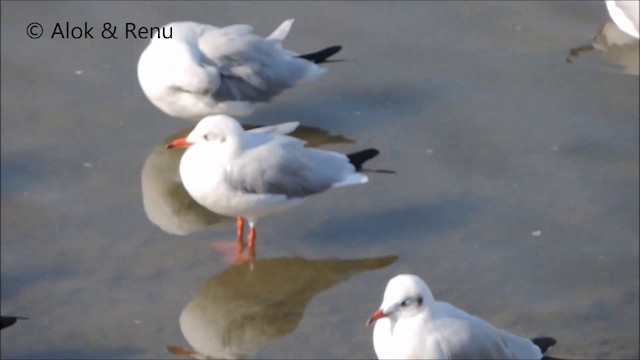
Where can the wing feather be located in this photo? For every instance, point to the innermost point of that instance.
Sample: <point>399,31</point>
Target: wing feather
<point>251,68</point>
<point>280,164</point>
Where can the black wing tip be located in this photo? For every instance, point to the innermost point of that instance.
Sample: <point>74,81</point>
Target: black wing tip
<point>322,55</point>
<point>6,321</point>
<point>544,343</point>
<point>333,49</point>
<point>360,157</point>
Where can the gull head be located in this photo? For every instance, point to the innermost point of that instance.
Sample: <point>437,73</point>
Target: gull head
<point>406,296</point>
<point>212,130</point>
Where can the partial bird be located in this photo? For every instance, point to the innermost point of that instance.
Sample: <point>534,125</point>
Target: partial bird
<point>6,321</point>
<point>625,14</point>
<point>251,174</point>
<point>204,70</point>
<point>411,324</point>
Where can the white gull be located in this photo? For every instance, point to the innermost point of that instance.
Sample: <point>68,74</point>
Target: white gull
<point>411,324</point>
<point>205,70</point>
<point>251,174</point>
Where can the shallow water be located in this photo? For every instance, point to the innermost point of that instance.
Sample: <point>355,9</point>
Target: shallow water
<point>515,194</point>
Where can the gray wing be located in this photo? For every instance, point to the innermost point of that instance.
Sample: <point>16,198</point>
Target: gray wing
<point>284,166</point>
<point>251,68</point>
<point>283,128</point>
<point>465,336</point>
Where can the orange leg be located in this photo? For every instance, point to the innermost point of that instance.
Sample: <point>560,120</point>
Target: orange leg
<point>240,231</point>
<point>252,239</point>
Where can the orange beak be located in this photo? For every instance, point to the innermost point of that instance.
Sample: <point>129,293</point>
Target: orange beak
<point>376,315</point>
<point>179,143</point>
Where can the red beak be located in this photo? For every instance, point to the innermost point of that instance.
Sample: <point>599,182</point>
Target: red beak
<point>376,315</point>
<point>179,143</point>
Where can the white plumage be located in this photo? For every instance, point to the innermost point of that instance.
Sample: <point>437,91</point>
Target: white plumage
<point>625,14</point>
<point>411,324</point>
<point>204,70</point>
<point>255,173</point>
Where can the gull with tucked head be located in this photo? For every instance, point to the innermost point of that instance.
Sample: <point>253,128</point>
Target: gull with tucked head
<point>411,324</point>
<point>205,70</point>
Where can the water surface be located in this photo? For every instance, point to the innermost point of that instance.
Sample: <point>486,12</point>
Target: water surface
<point>515,194</point>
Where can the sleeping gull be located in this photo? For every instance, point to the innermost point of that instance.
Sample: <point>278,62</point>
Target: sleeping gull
<point>410,324</point>
<point>251,174</point>
<point>205,70</point>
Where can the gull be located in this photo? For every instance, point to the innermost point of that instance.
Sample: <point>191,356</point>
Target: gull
<point>251,174</point>
<point>625,14</point>
<point>205,70</point>
<point>411,324</point>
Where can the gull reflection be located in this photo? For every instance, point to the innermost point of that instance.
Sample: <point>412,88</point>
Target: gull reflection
<point>618,47</point>
<point>240,310</point>
<point>166,202</point>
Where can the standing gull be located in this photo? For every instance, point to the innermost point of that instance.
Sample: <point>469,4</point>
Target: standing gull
<point>251,174</point>
<point>205,70</point>
<point>411,324</point>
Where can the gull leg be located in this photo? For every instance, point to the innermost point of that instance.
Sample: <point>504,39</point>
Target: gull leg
<point>240,231</point>
<point>252,238</point>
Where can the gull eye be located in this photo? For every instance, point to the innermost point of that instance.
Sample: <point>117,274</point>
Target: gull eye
<point>213,137</point>
<point>410,301</point>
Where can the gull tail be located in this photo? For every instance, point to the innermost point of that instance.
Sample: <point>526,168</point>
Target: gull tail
<point>544,343</point>
<point>321,56</point>
<point>360,157</point>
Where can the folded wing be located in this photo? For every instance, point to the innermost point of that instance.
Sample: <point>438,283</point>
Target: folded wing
<point>252,68</point>
<point>282,165</point>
